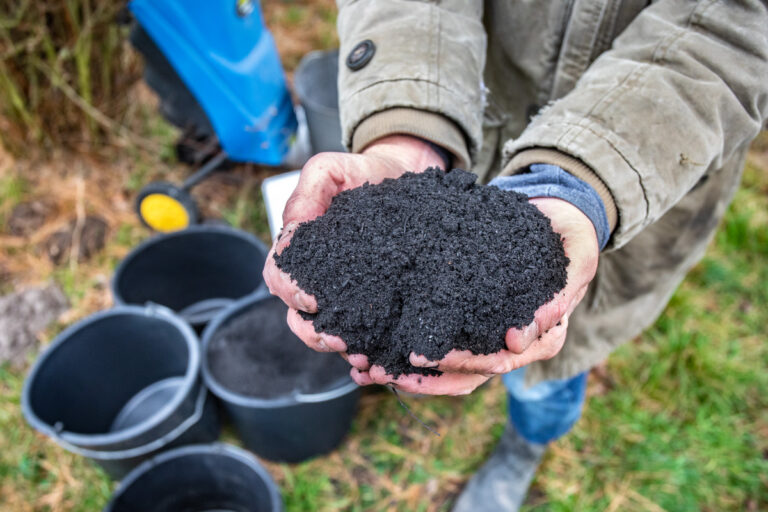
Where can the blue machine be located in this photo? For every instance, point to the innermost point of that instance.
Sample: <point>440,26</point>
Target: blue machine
<point>217,72</point>
<point>228,60</point>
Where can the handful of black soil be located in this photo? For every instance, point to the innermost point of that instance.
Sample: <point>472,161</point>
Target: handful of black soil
<point>256,354</point>
<point>426,263</point>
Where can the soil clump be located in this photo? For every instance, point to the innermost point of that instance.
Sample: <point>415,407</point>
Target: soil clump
<point>256,354</point>
<point>90,236</point>
<point>426,263</point>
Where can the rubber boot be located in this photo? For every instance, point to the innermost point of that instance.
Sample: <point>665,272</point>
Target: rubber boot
<point>502,483</point>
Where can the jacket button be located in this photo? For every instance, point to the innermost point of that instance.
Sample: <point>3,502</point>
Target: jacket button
<point>361,55</point>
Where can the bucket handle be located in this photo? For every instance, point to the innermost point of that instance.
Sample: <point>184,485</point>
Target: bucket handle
<point>139,450</point>
<point>204,308</point>
<point>307,398</point>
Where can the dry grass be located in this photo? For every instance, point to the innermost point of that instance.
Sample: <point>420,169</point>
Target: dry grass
<point>65,67</point>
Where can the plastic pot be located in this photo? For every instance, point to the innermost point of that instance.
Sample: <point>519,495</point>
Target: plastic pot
<point>316,87</point>
<point>120,386</point>
<point>196,272</point>
<point>214,477</point>
<point>288,428</point>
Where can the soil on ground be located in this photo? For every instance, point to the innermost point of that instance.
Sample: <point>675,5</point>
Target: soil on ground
<point>426,263</point>
<point>91,236</point>
<point>28,217</point>
<point>256,354</point>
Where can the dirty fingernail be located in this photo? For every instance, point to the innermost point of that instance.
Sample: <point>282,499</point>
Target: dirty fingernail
<point>359,361</point>
<point>288,229</point>
<point>418,360</point>
<point>361,378</point>
<point>334,343</point>
<point>300,301</point>
<point>531,331</point>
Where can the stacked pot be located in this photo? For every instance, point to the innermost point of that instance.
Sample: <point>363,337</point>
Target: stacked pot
<point>129,387</point>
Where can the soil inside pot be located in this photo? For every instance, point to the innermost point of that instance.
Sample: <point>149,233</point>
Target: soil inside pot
<point>256,354</point>
<point>426,263</point>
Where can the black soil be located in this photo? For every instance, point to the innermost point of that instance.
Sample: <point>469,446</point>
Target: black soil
<point>426,263</point>
<point>256,354</point>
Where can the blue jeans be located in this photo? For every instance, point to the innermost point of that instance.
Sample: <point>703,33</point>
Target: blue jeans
<point>547,410</point>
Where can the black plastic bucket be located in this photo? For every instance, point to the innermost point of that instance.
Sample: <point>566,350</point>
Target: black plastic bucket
<point>316,86</point>
<point>120,386</point>
<point>291,427</point>
<point>215,477</point>
<point>196,272</point>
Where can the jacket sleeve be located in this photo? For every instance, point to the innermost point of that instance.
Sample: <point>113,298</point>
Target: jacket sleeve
<point>683,88</point>
<point>410,85</point>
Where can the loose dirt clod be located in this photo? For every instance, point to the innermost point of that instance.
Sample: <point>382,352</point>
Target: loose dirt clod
<point>256,354</point>
<point>23,315</point>
<point>426,263</point>
<point>28,217</point>
<point>92,237</point>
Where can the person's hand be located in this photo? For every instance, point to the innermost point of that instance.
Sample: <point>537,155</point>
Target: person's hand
<point>542,339</point>
<point>323,177</point>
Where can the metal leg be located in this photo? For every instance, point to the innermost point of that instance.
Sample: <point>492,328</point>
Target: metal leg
<point>204,171</point>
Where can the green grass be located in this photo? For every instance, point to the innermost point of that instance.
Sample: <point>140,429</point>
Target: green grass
<point>160,131</point>
<point>153,167</point>
<point>64,73</point>
<point>129,235</point>
<point>248,211</point>
<point>294,15</point>
<point>677,422</point>
<point>13,190</point>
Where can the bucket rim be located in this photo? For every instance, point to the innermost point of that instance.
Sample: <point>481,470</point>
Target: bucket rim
<point>232,397</point>
<point>89,441</point>
<point>218,449</point>
<point>302,91</point>
<point>100,455</point>
<point>163,237</point>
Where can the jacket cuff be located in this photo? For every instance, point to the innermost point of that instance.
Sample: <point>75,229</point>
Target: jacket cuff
<point>545,180</point>
<point>606,155</point>
<point>573,166</point>
<point>435,128</point>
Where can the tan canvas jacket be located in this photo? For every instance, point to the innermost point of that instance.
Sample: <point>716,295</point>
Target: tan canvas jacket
<point>653,103</point>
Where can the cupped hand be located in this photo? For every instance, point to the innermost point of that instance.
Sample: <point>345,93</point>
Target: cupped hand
<point>542,339</point>
<point>323,177</point>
